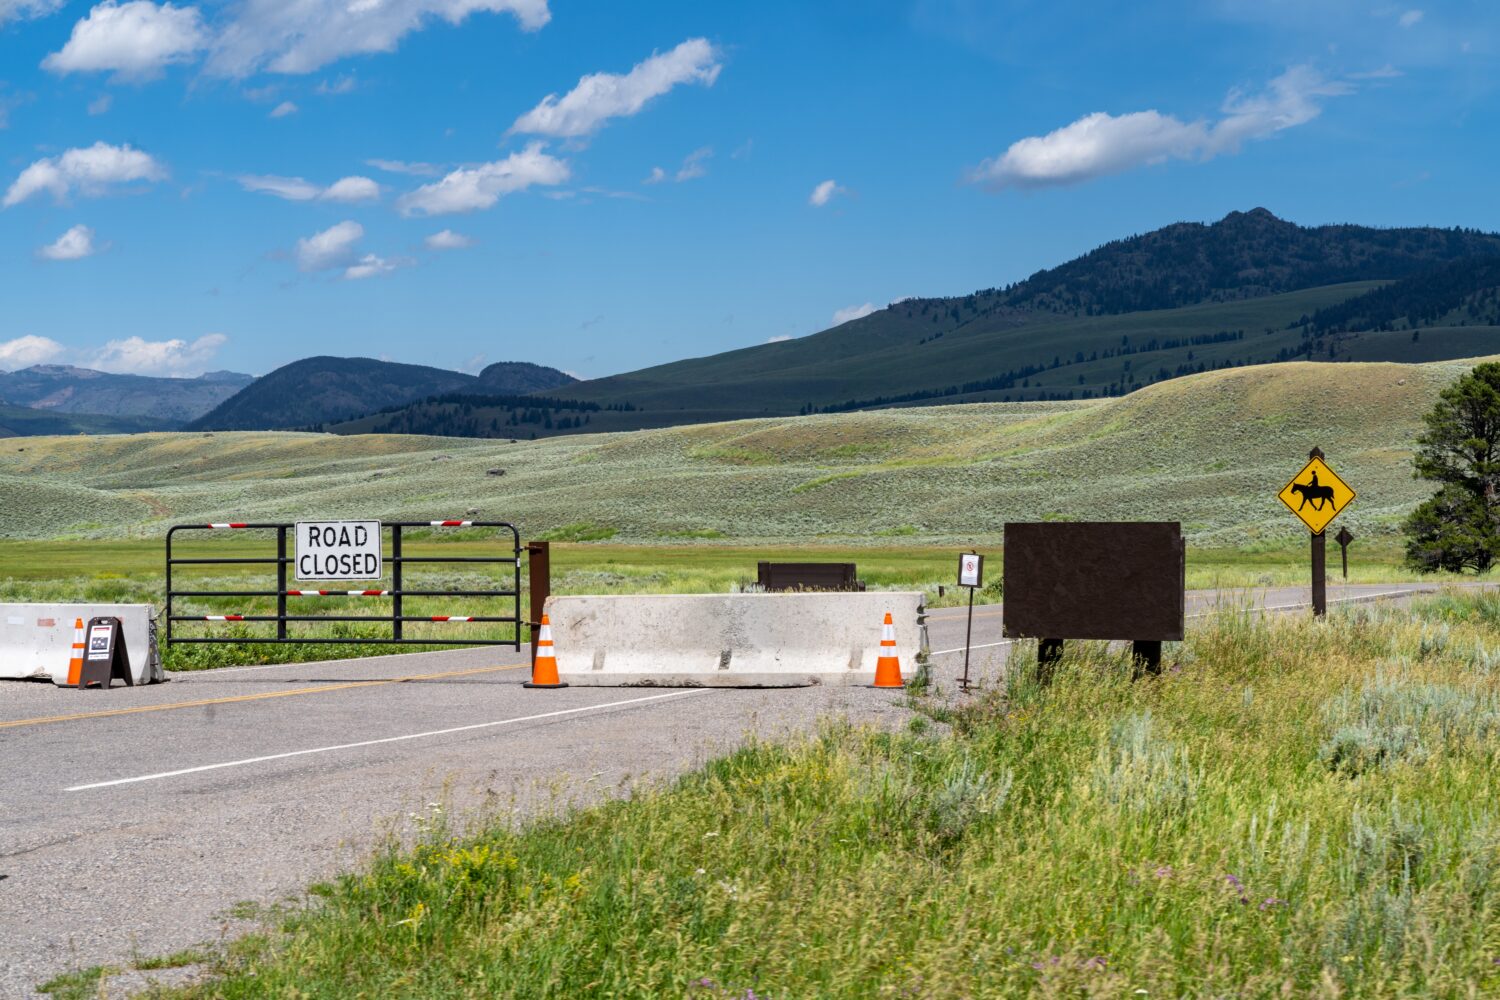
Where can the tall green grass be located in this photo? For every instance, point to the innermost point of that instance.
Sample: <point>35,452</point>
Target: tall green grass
<point>1197,834</point>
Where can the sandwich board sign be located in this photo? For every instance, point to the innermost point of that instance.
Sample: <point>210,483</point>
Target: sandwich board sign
<point>1316,495</point>
<point>338,550</point>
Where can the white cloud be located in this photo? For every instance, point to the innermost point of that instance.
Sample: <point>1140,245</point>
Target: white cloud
<point>1100,144</point>
<point>447,239</point>
<point>290,188</point>
<point>351,189</point>
<point>90,171</point>
<point>23,352</point>
<point>74,244</point>
<point>1410,18</point>
<point>599,97</point>
<point>306,35</point>
<point>283,109</point>
<point>135,40</point>
<point>347,189</point>
<point>656,176</point>
<point>471,188</point>
<point>136,356</point>
<point>849,313</point>
<point>333,247</point>
<point>824,193</point>
<point>342,85</point>
<point>370,266</point>
<point>101,104</point>
<point>15,10</point>
<point>779,338</point>
<point>1386,72</point>
<point>403,167</point>
<point>692,165</point>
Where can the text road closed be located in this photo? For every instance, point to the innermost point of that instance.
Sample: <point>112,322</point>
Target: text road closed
<point>338,550</point>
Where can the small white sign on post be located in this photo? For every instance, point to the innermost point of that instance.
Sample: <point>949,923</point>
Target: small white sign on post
<point>338,550</point>
<point>970,570</point>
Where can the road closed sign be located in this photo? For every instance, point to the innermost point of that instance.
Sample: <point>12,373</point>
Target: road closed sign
<point>338,550</point>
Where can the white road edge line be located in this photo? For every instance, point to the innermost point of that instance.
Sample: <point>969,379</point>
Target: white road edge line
<point>1205,614</point>
<point>387,739</point>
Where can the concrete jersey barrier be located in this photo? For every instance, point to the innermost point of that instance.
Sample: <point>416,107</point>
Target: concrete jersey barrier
<point>36,640</point>
<point>732,640</point>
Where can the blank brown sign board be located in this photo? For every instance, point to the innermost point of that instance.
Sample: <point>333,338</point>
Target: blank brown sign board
<point>1095,580</point>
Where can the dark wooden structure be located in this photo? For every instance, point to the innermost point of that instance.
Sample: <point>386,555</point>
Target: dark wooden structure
<point>1096,580</point>
<point>807,576</point>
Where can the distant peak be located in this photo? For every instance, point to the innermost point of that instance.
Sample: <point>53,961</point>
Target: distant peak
<point>75,372</point>
<point>1255,215</point>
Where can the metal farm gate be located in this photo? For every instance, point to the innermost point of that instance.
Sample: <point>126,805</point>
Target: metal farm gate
<point>508,592</point>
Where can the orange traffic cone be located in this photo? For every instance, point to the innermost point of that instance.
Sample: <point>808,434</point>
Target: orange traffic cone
<point>887,667</point>
<point>544,670</point>
<point>75,663</point>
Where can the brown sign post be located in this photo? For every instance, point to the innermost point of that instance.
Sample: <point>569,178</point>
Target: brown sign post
<point>539,572</point>
<point>1317,495</point>
<point>1344,537</point>
<point>1096,580</point>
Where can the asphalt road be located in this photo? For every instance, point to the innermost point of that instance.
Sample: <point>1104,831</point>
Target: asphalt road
<point>132,820</point>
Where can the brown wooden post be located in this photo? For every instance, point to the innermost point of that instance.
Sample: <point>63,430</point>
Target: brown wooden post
<point>1319,562</point>
<point>1145,655</point>
<point>539,569</point>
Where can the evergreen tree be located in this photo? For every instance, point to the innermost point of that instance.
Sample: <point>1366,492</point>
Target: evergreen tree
<point>1460,448</point>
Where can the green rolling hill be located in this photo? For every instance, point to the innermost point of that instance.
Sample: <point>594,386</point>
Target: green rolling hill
<point>1211,450</point>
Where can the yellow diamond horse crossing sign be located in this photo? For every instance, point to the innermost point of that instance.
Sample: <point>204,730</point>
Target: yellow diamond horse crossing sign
<point>1316,495</point>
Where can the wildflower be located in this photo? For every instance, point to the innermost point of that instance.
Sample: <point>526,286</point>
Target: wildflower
<point>1272,902</point>
<point>1165,871</point>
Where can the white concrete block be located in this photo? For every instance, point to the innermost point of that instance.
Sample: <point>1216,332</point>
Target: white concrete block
<point>732,640</point>
<point>36,640</point>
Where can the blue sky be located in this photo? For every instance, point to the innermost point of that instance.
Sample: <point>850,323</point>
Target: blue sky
<point>604,186</point>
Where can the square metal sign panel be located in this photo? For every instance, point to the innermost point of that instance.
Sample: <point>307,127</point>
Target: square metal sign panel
<point>1316,495</point>
<point>338,550</point>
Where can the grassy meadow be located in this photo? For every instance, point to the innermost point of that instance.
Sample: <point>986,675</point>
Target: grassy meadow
<point>692,509</point>
<point>1294,808</point>
<point>1209,450</point>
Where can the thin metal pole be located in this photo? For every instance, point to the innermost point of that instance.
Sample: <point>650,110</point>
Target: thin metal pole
<point>396,581</point>
<point>169,586</point>
<point>281,582</point>
<point>968,636</point>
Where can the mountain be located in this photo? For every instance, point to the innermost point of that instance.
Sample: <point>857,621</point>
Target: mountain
<point>1243,255</point>
<point>506,377</point>
<point>1184,299</point>
<point>24,421</point>
<point>164,401</point>
<point>320,390</point>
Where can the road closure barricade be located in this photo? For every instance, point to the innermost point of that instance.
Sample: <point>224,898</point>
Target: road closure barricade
<point>36,640</point>
<point>733,640</point>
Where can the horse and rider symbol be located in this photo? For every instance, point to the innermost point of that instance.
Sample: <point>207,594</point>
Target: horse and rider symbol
<point>1314,493</point>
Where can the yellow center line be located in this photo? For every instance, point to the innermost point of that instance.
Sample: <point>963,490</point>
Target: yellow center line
<point>257,697</point>
<point>959,618</point>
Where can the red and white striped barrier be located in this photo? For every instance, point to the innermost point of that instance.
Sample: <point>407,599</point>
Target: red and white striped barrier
<point>451,524</point>
<point>223,618</point>
<point>452,618</point>
<point>230,524</point>
<point>339,593</point>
